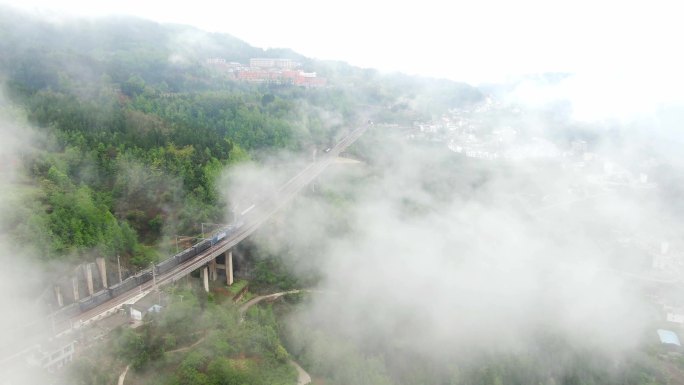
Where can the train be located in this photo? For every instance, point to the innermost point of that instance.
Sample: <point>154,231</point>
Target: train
<point>146,275</point>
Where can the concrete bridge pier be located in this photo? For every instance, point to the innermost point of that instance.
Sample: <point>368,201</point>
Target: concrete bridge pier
<point>89,278</point>
<point>74,285</point>
<point>102,267</point>
<point>58,294</point>
<point>205,277</point>
<point>229,267</point>
<point>212,269</point>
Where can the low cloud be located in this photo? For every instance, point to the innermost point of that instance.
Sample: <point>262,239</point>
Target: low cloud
<point>21,280</point>
<point>445,256</point>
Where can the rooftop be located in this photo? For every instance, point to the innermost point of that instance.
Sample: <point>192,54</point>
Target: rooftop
<point>668,337</point>
<point>148,301</point>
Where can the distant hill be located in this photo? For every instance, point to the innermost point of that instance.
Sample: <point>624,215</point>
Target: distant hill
<point>37,54</point>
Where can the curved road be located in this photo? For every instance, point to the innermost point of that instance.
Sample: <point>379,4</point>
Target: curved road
<point>122,377</point>
<point>303,378</point>
<point>260,298</point>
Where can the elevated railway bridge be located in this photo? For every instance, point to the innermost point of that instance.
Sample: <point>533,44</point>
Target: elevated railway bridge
<point>206,259</point>
<point>74,316</point>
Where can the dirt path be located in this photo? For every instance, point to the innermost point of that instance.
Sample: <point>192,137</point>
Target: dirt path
<point>122,377</point>
<point>303,378</point>
<point>199,341</point>
<point>256,300</point>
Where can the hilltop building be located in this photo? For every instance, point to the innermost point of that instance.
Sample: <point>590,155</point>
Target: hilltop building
<point>273,63</point>
<point>269,70</point>
<point>297,78</point>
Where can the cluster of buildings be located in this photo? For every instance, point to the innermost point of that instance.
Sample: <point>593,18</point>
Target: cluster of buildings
<point>668,262</point>
<point>57,353</point>
<point>495,147</point>
<point>54,355</point>
<point>672,309</point>
<point>468,131</point>
<point>269,70</point>
<point>477,132</point>
<point>668,265</point>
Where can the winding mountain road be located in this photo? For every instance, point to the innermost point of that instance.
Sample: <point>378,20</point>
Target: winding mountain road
<point>303,378</point>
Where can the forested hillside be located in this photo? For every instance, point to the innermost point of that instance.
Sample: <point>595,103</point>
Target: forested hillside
<point>132,128</point>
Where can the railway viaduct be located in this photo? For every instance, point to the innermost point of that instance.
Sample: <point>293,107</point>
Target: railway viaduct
<point>217,257</point>
<point>30,336</point>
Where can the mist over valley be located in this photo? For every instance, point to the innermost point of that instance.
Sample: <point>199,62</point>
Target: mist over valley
<point>181,207</point>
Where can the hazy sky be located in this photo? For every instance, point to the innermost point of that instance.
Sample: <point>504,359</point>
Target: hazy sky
<point>472,41</point>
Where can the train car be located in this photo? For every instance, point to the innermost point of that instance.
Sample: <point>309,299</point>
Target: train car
<point>166,265</point>
<point>186,254</point>
<point>200,247</point>
<point>94,300</point>
<point>144,276</point>
<point>124,286</point>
